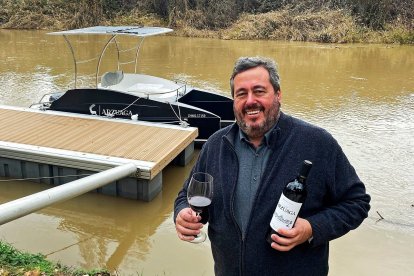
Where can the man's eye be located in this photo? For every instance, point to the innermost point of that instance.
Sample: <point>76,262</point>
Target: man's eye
<point>240,94</point>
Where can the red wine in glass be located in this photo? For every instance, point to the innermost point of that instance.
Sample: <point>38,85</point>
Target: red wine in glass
<point>199,196</point>
<point>199,204</point>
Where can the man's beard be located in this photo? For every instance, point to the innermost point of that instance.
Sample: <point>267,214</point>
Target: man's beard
<point>255,131</point>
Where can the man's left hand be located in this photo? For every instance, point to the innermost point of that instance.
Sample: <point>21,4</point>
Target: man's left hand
<point>300,233</point>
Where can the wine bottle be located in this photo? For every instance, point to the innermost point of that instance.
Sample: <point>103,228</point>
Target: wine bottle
<point>293,196</point>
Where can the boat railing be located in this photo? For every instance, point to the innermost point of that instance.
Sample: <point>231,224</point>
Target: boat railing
<point>82,81</point>
<point>86,60</point>
<point>126,62</point>
<point>139,32</point>
<point>46,101</point>
<point>119,50</point>
<point>99,58</point>
<point>180,91</point>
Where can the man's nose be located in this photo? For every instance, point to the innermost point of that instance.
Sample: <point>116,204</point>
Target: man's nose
<point>251,98</point>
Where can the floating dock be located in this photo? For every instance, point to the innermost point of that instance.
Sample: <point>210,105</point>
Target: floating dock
<point>57,147</point>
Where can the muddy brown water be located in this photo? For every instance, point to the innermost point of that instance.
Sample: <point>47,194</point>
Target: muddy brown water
<point>362,94</point>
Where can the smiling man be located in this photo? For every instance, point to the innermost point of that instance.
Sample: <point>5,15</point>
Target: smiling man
<point>256,101</point>
<point>251,161</point>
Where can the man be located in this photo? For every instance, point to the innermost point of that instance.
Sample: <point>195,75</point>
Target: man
<point>251,162</point>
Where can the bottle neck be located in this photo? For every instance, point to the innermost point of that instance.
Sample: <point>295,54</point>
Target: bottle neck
<point>301,179</point>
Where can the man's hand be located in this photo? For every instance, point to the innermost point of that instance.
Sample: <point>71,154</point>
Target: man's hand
<point>187,224</point>
<point>299,234</point>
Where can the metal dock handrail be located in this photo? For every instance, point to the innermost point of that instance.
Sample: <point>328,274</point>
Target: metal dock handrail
<point>23,206</point>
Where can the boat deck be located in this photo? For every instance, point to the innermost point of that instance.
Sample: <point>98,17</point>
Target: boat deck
<point>90,142</point>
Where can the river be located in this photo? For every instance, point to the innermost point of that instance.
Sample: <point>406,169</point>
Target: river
<point>362,94</point>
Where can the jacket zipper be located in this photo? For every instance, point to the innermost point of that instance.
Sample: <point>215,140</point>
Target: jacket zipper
<point>234,218</point>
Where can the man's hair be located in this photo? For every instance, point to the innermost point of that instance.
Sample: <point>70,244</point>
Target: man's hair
<point>246,63</point>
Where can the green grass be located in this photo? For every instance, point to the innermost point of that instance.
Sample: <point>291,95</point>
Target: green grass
<point>15,262</point>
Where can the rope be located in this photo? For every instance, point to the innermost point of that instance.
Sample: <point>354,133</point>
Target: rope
<point>44,177</point>
<point>110,115</point>
<point>131,103</point>
<point>182,122</point>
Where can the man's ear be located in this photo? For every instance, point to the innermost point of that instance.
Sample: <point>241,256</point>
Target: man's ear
<point>279,95</point>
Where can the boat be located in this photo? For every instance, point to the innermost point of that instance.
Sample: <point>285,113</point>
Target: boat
<point>127,94</point>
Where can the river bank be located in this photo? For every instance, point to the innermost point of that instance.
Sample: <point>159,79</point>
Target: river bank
<point>322,22</point>
<point>15,262</point>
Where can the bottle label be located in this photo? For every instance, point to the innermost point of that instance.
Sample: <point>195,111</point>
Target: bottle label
<point>285,213</point>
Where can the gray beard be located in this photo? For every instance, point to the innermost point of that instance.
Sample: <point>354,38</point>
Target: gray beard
<point>258,131</point>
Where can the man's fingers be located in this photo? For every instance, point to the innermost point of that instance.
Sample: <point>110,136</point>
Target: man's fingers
<point>192,229</point>
<point>282,243</point>
<point>187,225</point>
<point>186,234</point>
<point>281,240</point>
<point>280,247</point>
<point>288,233</point>
<point>185,237</point>
<point>188,215</point>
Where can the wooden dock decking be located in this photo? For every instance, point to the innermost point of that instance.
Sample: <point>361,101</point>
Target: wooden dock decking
<point>88,142</point>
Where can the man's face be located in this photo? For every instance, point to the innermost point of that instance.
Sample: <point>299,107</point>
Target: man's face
<point>256,105</point>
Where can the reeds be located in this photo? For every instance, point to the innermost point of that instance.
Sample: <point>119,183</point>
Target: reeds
<point>329,21</point>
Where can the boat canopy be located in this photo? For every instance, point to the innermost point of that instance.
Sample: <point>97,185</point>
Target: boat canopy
<point>140,31</point>
<point>113,32</point>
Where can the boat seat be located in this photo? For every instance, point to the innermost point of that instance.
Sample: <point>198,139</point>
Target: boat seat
<point>111,78</point>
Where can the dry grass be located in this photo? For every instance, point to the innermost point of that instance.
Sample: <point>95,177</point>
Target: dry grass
<point>294,23</point>
<point>323,26</point>
<point>327,26</point>
<point>136,18</point>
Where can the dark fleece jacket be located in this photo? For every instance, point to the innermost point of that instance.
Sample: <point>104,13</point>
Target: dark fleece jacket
<point>337,201</point>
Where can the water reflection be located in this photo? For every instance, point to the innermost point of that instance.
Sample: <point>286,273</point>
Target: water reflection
<point>362,94</point>
<point>98,230</point>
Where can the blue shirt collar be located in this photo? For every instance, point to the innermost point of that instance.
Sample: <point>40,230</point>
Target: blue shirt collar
<point>243,137</point>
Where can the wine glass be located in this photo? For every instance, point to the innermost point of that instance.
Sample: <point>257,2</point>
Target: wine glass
<point>199,196</point>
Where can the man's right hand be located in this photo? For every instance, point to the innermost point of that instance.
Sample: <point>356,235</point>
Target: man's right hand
<point>187,224</point>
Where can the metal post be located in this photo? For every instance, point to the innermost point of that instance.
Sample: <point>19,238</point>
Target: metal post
<point>23,206</point>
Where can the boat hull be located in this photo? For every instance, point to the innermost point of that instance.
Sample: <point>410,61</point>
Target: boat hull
<point>116,104</point>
